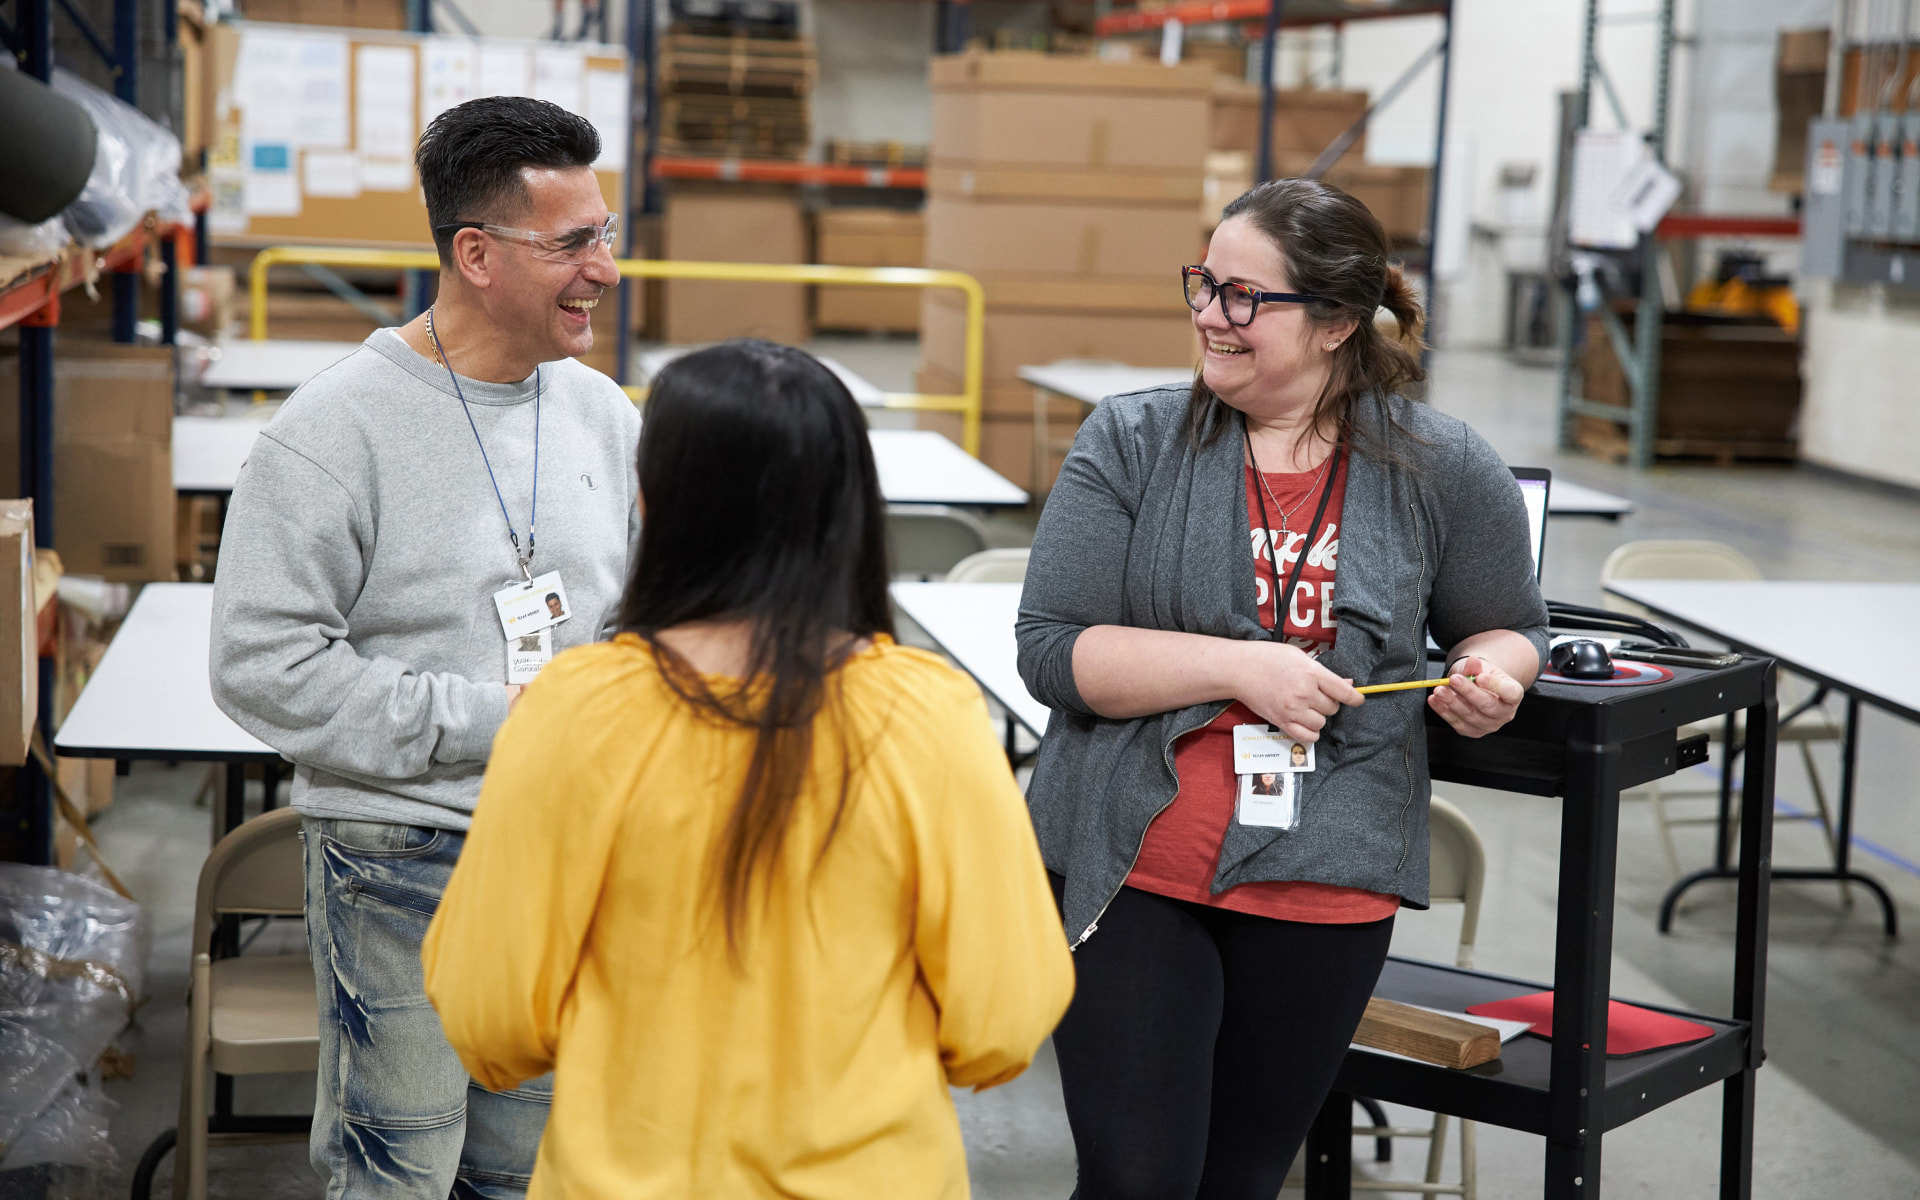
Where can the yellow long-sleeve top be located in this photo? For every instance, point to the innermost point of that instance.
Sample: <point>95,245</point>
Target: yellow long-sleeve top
<point>580,934</point>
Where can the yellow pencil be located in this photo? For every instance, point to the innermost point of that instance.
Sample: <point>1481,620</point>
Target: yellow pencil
<point>1371,688</point>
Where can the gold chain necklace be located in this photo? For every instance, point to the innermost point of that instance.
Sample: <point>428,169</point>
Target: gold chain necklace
<point>433,343</point>
<point>1286,514</point>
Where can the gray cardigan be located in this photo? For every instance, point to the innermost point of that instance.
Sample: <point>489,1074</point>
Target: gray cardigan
<point>1145,529</point>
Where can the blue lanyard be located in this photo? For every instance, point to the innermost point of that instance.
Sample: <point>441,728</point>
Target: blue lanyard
<point>533,508</point>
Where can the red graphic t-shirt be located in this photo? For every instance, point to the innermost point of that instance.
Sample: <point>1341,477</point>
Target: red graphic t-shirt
<point>1181,850</point>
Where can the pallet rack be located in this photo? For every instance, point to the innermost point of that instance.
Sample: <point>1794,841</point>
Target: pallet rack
<point>33,304</point>
<point>1293,14</point>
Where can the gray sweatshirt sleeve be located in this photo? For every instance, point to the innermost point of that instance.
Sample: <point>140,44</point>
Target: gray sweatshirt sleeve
<point>292,563</point>
<point>1486,576</point>
<point>1075,573</point>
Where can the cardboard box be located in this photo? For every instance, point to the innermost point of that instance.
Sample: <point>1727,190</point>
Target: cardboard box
<point>1022,338</point>
<point>343,14</point>
<point>868,237</point>
<point>207,300</point>
<point>1065,239</point>
<point>1721,380</point>
<point>113,457</point>
<point>88,782</point>
<point>1304,121</point>
<point>1065,113</point>
<point>734,224</point>
<point>19,649</point>
<point>1156,293</point>
<point>1800,94</point>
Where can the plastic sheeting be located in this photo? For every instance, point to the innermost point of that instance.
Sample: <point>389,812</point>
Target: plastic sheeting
<point>72,956</point>
<point>136,168</point>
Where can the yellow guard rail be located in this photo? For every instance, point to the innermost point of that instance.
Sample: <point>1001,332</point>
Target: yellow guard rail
<point>966,403</point>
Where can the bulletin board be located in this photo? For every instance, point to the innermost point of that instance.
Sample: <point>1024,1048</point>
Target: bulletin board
<point>313,129</point>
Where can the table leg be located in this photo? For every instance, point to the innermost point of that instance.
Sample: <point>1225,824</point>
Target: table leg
<point>234,807</point>
<point>1750,944</point>
<point>1582,968</point>
<point>1329,1156</point>
<point>270,784</point>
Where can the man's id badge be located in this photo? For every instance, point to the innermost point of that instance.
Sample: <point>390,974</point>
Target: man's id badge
<point>1268,799</point>
<point>527,653</point>
<point>527,608</point>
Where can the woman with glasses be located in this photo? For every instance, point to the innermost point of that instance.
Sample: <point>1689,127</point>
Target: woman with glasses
<point>1216,569</point>
<point>753,881</point>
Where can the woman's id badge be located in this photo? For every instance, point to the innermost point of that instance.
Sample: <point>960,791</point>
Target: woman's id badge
<point>1265,762</point>
<point>1268,799</point>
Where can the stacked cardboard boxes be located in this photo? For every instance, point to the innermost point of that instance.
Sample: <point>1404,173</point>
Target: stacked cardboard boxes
<point>1067,186</point>
<point>1306,122</point>
<point>734,223</point>
<point>868,237</point>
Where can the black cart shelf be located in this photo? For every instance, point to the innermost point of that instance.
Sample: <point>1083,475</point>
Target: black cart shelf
<point>1586,745</point>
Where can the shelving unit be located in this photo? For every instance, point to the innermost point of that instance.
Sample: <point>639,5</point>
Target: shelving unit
<point>1293,14</point>
<point>33,305</point>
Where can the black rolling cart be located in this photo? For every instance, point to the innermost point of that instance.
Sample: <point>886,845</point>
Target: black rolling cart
<point>1585,745</point>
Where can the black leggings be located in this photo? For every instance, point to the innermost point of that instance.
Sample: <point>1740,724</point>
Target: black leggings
<point>1201,1043</point>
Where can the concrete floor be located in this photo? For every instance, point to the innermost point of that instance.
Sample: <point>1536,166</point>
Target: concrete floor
<point>1833,1112</point>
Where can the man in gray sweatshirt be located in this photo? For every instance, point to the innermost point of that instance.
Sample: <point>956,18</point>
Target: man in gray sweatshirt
<point>382,597</point>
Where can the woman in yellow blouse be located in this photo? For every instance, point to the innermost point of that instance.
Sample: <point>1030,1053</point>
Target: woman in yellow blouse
<point>755,930</point>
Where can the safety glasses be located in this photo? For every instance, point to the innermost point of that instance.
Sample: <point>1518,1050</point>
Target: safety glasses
<point>572,246</point>
<point>1238,302</point>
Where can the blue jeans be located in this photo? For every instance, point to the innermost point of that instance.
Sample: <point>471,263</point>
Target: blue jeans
<point>396,1115</point>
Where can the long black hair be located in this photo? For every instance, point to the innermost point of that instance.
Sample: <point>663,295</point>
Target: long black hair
<point>763,506</point>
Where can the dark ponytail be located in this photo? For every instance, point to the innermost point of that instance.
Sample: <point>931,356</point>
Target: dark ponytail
<point>1336,249</point>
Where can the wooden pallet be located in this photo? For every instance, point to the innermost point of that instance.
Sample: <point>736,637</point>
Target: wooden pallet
<point>744,126</point>
<point>1604,439</point>
<point>844,153</point>
<point>736,66</point>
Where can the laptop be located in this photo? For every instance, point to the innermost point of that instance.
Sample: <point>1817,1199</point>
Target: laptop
<point>1534,483</point>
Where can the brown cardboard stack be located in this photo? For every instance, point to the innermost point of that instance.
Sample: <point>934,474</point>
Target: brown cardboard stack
<point>1306,122</point>
<point>1800,92</point>
<point>1067,186</point>
<point>343,14</point>
<point>868,237</point>
<point>113,501</point>
<point>19,649</point>
<point>734,223</point>
<point>1396,195</point>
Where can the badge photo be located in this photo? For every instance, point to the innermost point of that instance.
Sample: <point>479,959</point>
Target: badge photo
<point>527,608</point>
<point>527,653</point>
<point>1299,756</point>
<point>1268,799</point>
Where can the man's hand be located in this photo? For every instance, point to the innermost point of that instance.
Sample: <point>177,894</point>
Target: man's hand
<point>1478,697</point>
<point>513,695</point>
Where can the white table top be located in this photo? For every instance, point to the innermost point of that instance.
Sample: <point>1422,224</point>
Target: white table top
<point>274,365</point>
<point>1851,636</point>
<point>917,466</point>
<point>208,451</point>
<point>649,362</point>
<point>1090,381</point>
<point>150,697</point>
<point>1565,498</point>
<point>973,623</point>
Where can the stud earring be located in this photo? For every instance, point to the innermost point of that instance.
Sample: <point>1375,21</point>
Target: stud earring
<point>1333,345</point>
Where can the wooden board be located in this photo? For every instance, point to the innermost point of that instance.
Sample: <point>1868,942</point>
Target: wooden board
<point>386,219</point>
<point>1430,1037</point>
